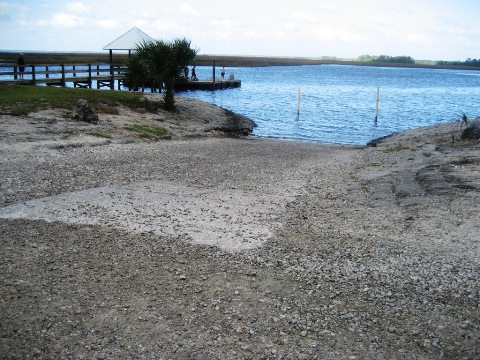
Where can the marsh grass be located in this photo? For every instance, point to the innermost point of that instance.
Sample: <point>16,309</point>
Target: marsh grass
<point>100,135</point>
<point>397,148</point>
<point>148,131</point>
<point>24,99</point>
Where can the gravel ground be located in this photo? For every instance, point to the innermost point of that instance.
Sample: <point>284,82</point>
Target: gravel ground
<point>218,248</point>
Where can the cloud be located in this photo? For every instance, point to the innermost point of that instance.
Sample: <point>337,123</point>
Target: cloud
<point>108,24</point>
<point>304,17</point>
<point>340,35</point>
<point>418,38</point>
<point>67,20</point>
<point>189,10</point>
<point>78,7</point>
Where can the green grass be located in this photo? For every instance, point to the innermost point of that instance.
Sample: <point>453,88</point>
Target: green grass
<point>148,131</point>
<point>23,99</point>
<point>396,148</point>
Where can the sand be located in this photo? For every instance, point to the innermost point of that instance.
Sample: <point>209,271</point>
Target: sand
<point>204,246</point>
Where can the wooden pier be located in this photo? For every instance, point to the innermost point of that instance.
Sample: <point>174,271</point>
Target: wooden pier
<point>208,84</point>
<point>102,75</point>
<point>81,75</point>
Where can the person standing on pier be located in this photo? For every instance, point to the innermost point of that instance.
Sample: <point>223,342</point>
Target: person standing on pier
<point>21,64</point>
<point>222,72</point>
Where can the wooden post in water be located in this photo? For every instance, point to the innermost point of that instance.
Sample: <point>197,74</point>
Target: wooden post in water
<point>213,75</point>
<point>298,102</point>
<point>63,76</point>
<point>90,76</point>
<point>34,76</point>
<point>376,107</point>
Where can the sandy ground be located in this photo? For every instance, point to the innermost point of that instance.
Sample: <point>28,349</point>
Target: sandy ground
<point>204,246</point>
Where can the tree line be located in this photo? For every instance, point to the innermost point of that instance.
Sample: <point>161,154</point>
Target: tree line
<point>468,62</point>
<point>410,60</point>
<point>387,59</point>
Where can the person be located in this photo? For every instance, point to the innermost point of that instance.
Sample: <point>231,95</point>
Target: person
<point>222,72</point>
<point>194,74</point>
<point>231,77</point>
<point>21,64</point>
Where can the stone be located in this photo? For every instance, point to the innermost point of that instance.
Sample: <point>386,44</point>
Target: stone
<point>85,112</point>
<point>472,131</point>
<point>233,124</point>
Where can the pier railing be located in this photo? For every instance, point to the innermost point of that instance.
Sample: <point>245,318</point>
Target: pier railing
<point>81,75</point>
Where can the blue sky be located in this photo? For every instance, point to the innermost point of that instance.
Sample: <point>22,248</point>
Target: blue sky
<point>423,29</point>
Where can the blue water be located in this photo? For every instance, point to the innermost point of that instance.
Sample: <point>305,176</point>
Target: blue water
<point>337,103</point>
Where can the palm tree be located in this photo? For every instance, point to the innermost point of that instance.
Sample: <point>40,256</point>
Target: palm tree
<point>160,63</point>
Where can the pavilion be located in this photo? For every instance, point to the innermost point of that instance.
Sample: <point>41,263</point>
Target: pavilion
<point>128,41</point>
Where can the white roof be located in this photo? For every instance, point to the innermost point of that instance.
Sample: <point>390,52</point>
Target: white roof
<point>129,40</point>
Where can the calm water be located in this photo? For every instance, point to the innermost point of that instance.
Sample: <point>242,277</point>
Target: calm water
<point>338,101</point>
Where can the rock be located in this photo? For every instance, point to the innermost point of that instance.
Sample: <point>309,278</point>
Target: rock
<point>472,132</point>
<point>233,124</point>
<point>85,112</point>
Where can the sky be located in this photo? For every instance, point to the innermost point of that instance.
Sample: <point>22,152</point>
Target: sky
<point>422,29</point>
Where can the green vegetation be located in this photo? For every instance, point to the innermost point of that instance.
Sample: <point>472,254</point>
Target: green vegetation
<point>100,135</point>
<point>468,62</point>
<point>148,131</point>
<point>159,64</point>
<point>397,148</point>
<point>23,99</point>
<point>410,60</point>
<point>387,59</point>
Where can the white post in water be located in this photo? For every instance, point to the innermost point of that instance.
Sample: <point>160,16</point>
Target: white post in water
<point>298,102</point>
<point>376,107</point>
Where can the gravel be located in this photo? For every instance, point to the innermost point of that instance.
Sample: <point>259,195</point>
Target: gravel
<point>218,248</point>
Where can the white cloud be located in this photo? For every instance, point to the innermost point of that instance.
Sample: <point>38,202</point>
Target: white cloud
<point>109,24</point>
<point>78,7</point>
<point>418,38</point>
<point>67,20</point>
<point>304,17</point>
<point>189,10</point>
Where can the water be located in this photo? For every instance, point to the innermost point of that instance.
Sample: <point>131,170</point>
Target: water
<point>338,101</point>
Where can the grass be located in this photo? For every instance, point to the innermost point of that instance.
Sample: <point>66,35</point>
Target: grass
<point>148,131</point>
<point>396,148</point>
<point>24,99</point>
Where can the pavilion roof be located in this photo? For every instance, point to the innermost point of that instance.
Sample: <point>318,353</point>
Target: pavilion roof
<point>129,40</point>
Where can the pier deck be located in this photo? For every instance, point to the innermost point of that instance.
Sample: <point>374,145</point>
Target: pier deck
<point>207,84</point>
<point>86,75</point>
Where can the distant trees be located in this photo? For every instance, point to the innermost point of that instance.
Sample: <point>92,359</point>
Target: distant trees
<point>160,64</point>
<point>387,59</point>
<point>468,62</point>
<point>410,60</point>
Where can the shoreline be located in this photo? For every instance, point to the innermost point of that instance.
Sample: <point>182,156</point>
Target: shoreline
<point>39,57</point>
<point>205,246</point>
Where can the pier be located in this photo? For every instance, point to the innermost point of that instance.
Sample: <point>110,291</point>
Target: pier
<point>208,84</point>
<point>99,75</point>
<point>81,75</point>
